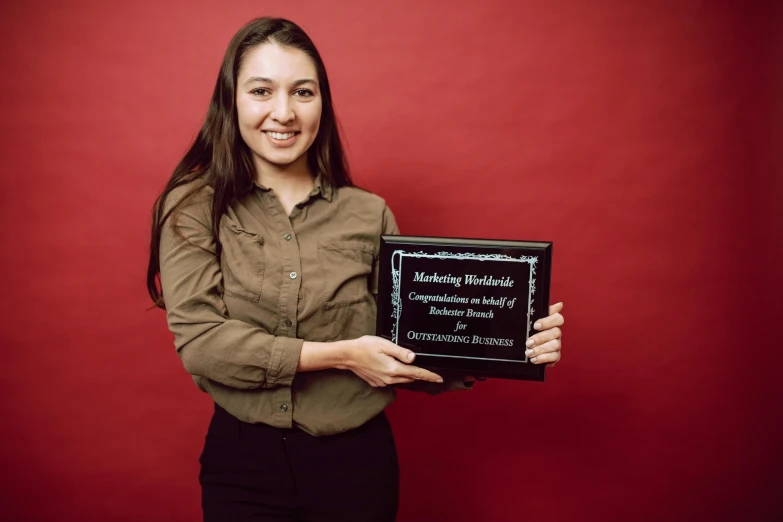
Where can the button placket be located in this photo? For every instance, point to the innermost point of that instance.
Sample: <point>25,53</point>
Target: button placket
<point>292,269</point>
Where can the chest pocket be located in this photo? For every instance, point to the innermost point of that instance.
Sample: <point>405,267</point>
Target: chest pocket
<point>345,268</point>
<point>242,261</point>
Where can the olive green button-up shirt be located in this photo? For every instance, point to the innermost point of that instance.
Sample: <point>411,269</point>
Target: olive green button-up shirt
<point>239,322</point>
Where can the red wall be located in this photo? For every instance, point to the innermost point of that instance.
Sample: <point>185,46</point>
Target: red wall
<point>642,137</point>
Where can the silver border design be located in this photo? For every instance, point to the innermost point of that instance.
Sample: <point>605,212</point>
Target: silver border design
<point>396,267</point>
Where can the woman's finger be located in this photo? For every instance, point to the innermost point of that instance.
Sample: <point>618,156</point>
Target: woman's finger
<point>546,335</point>
<point>555,308</point>
<point>548,347</point>
<point>398,352</point>
<point>549,322</point>
<point>551,357</point>
<point>396,380</point>
<point>419,374</point>
<point>382,382</point>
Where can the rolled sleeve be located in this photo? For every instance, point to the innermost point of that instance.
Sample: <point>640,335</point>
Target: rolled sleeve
<point>284,361</point>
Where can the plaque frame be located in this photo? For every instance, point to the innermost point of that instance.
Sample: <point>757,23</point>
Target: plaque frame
<point>394,250</point>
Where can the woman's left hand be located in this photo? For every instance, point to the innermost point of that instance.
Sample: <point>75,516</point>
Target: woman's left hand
<point>544,347</point>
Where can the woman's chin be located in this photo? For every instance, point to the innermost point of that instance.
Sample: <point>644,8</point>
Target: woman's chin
<point>281,160</point>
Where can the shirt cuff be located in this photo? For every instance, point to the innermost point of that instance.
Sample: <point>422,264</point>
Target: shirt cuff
<point>284,361</point>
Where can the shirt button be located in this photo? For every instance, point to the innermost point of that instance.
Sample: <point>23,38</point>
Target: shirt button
<point>284,407</point>
<point>293,275</point>
<point>289,323</point>
<point>287,237</point>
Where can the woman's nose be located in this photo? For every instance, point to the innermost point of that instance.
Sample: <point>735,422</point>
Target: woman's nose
<point>283,110</point>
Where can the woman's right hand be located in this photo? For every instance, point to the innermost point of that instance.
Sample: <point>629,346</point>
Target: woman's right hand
<point>381,363</point>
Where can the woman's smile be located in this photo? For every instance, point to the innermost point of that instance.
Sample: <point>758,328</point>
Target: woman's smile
<point>282,139</point>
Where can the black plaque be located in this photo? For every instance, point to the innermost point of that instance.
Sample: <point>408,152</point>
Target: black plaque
<point>464,306</point>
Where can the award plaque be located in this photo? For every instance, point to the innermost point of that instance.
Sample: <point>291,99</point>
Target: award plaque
<point>465,306</point>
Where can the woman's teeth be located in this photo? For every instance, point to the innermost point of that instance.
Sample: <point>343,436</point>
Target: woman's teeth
<point>280,136</point>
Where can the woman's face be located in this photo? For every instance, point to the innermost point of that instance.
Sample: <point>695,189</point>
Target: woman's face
<point>278,105</point>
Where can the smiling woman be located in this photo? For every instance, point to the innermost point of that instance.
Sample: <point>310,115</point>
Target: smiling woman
<point>278,107</point>
<point>264,253</point>
<point>265,257</point>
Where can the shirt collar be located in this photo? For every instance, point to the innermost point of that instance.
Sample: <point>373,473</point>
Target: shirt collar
<point>321,186</point>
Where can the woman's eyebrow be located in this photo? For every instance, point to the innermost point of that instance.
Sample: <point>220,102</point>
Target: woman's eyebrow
<point>269,80</point>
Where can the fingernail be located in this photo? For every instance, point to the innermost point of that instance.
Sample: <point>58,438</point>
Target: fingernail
<point>530,342</point>
<point>439,380</point>
<point>410,356</point>
<point>528,353</point>
<point>537,326</point>
<point>533,359</point>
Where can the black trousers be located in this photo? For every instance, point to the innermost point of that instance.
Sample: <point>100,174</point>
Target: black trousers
<point>258,472</point>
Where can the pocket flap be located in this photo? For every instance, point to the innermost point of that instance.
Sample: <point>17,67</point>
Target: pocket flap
<point>227,223</point>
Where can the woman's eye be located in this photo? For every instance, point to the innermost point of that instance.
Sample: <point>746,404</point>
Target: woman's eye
<point>306,93</point>
<point>260,91</point>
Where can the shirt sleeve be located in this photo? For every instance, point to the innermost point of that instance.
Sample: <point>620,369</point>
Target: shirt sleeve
<point>210,344</point>
<point>450,383</point>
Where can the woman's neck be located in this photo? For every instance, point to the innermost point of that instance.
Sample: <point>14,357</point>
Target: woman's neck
<point>290,183</point>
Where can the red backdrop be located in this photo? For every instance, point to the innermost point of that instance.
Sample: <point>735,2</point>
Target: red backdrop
<point>642,137</point>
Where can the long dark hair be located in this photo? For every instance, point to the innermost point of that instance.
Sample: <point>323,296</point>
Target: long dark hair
<point>220,159</point>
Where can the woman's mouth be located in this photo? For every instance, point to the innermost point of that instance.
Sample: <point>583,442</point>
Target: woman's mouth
<point>282,139</point>
<point>281,135</point>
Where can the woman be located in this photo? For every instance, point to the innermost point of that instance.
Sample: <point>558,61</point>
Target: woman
<point>266,256</point>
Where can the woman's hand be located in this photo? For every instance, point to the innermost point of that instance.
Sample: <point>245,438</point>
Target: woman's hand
<point>544,347</point>
<point>381,362</point>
